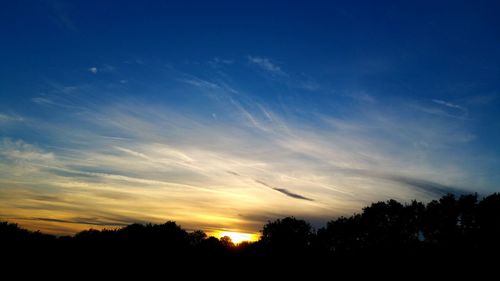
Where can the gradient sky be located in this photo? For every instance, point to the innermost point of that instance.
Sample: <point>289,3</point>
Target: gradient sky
<point>224,115</point>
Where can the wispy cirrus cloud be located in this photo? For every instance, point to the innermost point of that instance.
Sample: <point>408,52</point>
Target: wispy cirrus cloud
<point>200,83</point>
<point>22,151</point>
<point>10,118</point>
<point>128,159</point>
<point>174,164</point>
<point>266,64</point>
<point>361,96</point>
<point>448,104</point>
<point>217,62</point>
<point>463,110</point>
<point>442,109</point>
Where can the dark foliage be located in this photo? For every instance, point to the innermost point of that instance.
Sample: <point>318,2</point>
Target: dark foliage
<point>451,231</point>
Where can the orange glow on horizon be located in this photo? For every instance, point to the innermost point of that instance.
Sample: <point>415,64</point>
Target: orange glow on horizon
<point>238,237</point>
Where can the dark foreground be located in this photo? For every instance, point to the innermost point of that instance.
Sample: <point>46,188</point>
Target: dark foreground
<point>447,237</point>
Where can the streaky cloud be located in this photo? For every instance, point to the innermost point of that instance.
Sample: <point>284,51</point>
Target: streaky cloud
<point>434,188</point>
<point>266,64</point>
<point>200,83</point>
<point>10,118</point>
<point>285,191</point>
<point>448,104</point>
<point>124,154</point>
<point>93,221</point>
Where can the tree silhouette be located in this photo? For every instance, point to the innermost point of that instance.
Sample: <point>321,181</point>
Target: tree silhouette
<point>453,231</point>
<point>196,237</point>
<point>287,236</point>
<point>227,242</point>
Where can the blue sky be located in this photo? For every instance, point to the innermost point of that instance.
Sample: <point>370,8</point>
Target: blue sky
<point>224,115</point>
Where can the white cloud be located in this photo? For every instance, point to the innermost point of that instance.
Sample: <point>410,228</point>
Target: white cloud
<point>309,85</point>
<point>204,172</point>
<point>200,83</point>
<point>10,118</point>
<point>217,62</point>
<point>42,100</point>
<point>362,96</point>
<point>265,64</point>
<point>106,68</point>
<point>22,151</point>
<point>448,104</point>
<point>443,109</point>
<point>54,101</point>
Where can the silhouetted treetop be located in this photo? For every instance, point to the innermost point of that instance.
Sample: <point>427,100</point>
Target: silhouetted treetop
<point>448,229</point>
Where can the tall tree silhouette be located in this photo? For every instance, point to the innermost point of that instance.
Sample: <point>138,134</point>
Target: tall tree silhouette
<point>288,236</point>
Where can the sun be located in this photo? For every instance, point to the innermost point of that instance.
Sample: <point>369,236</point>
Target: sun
<point>238,237</point>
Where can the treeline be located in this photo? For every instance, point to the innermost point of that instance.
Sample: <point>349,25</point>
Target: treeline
<point>450,230</point>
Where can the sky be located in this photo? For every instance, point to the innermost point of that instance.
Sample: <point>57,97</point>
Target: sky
<point>223,115</point>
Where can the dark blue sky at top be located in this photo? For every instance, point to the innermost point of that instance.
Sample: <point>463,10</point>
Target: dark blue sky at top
<point>411,48</point>
<point>390,51</point>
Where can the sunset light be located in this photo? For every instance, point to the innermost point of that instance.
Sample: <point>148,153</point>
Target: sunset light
<point>224,115</point>
<point>250,139</point>
<point>238,237</point>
